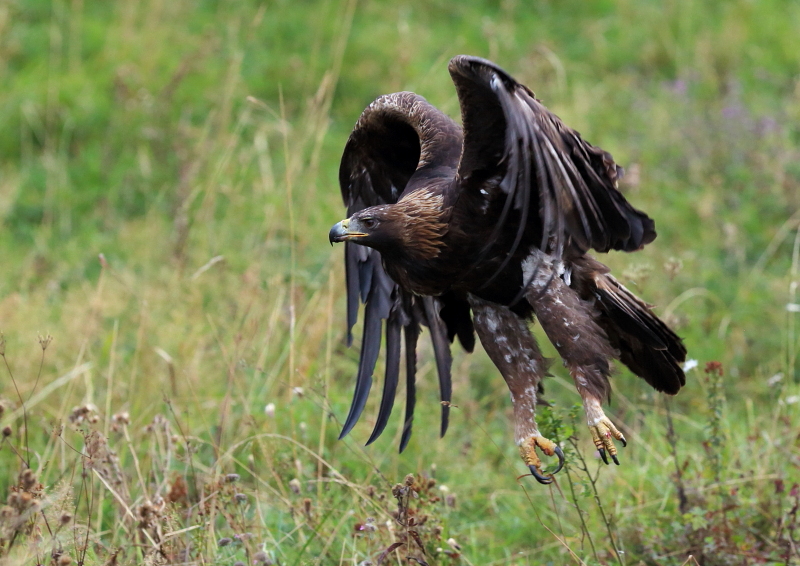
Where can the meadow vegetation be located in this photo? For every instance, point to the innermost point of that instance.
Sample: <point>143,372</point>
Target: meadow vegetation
<point>174,372</point>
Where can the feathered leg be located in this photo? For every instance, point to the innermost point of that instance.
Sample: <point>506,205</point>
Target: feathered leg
<point>570,324</point>
<point>513,349</point>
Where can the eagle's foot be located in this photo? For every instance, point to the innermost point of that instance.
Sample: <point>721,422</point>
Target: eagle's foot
<point>527,450</point>
<point>603,432</point>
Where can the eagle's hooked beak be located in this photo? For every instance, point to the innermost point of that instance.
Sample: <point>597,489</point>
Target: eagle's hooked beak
<point>341,232</point>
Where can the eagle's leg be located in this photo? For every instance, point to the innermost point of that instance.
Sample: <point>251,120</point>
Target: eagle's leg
<point>569,322</point>
<point>513,349</point>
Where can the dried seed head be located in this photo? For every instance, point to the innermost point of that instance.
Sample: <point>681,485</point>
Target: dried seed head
<point>122,418</point>
<point>6,431</point>
<point>450,500</point>
<point>224,541</point>
<point>159,503</point>
<point>262,557</point>
<point>64,560</point>
<point>14,500</point>
<point>84,412</point>
<point>20,500</point>
<point>269,410</point>
<point>27,479</point>
<point>240,498</point>
<point>44,341</point>
<point>231,478</point>
<point>295,486</point>
<point>147,511</point>
<point>65,519</point>
<point>409,481</point>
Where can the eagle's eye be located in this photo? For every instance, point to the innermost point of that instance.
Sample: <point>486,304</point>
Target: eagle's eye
<point>369,222</point>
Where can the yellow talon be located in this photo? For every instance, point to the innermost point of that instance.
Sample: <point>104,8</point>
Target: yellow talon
<point>527,450</point>
<point>603,431</point>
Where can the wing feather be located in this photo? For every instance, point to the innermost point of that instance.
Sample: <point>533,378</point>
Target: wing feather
<point>441,352</point>
<point>376,311</point>
<point>411,334</point>
<point>397,135</point>
<point>646,345</point>
<point>562,188</point>
<point>392,375</point>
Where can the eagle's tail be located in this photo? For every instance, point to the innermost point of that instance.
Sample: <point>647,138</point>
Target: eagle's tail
<point>646,344</point>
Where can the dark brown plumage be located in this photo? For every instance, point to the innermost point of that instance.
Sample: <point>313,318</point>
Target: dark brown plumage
<point>482,230</point>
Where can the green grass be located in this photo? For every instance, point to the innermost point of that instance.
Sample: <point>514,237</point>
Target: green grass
<point>195,145</point>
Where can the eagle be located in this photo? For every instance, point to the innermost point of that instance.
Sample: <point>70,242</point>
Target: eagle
<point>482,229</point>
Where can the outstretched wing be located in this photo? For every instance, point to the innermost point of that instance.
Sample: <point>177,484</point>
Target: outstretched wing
<point>517,150</point>
<point>394,137</point>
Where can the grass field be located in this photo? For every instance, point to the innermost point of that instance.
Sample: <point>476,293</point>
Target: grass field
<point>174,373</point>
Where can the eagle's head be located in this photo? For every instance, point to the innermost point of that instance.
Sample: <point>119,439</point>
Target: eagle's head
<point>375,227</point>
<point>413,227</point>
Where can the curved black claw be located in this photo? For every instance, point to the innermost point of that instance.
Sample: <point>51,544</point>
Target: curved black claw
<point>614,457</point>
<point>544,480</point>
<point>624,442</point>
<point>603,455</point>
<point>560,454</point>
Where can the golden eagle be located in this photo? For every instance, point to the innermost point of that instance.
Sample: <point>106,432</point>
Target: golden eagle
<point>482,230</point>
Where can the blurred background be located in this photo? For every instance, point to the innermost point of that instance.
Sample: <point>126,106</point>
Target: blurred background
<point>174,370</point>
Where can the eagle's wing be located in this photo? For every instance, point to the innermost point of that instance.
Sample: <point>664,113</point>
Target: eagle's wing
<point>515,148</point>
<point>395,135</point>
